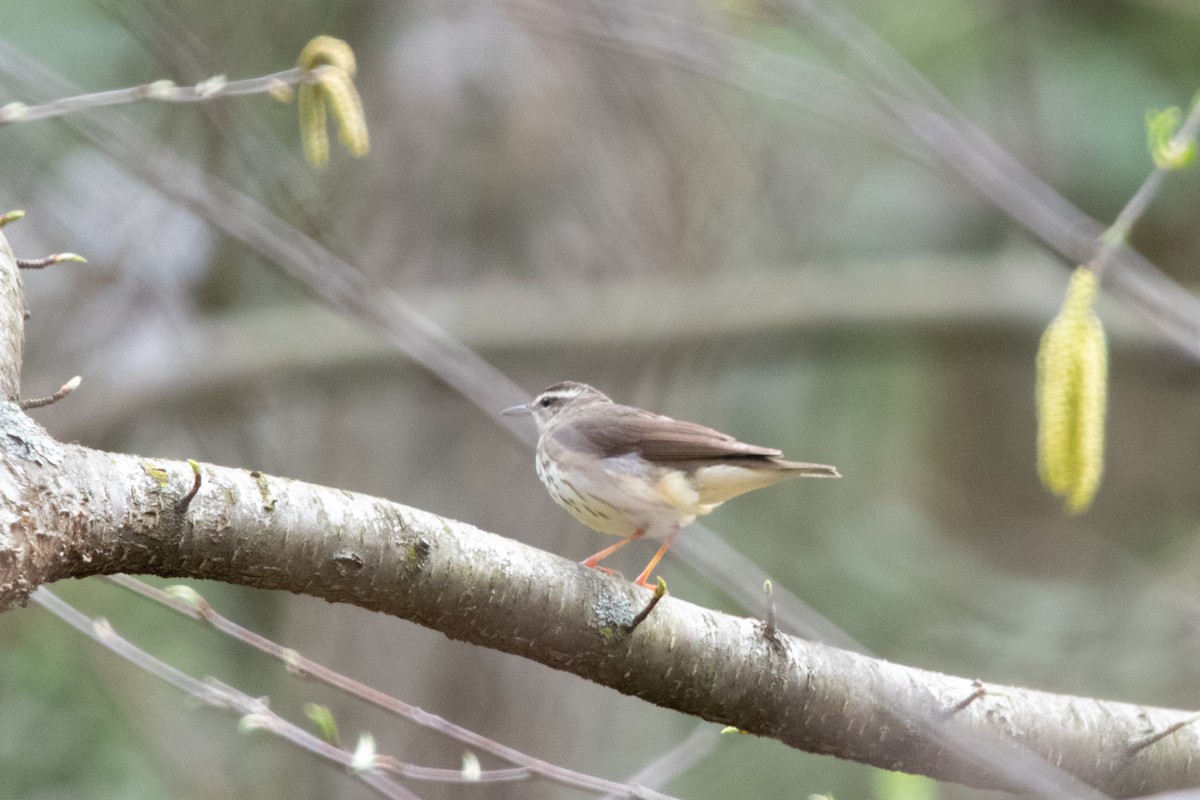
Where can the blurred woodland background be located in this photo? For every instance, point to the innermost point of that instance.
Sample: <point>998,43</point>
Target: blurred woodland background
<point>629,194</point>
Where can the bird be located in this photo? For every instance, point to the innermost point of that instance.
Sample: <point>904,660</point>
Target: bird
<point>632,473</point>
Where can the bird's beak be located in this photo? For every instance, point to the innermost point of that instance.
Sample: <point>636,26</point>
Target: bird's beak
<point>513,411</point>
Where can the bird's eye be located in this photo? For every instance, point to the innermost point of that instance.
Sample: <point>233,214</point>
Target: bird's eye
<point>546,402</point>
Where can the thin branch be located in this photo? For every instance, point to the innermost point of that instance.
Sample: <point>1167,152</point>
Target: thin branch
<point>897,106</point>
<point>49,261</point>
<point>191,604</point>
<point>214,693</point>
<point>1164,733</point>
<point>186,500</point>
<point>161,91</point>
<point>437,775</point>
<point>659,593</point>
<point>1118,234</point>
<point>42,402</point>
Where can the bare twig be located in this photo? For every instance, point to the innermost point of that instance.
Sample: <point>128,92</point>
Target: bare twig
<point>62,392</point>
<point>255,713</point>
<point>50,260</point>
<point>1164,733</point>
<point>769,629</point>
<point>162,91</point>
<point>660,591</point>
<point>979,693</point>
<point>1118,233</point>
<point>186,500</point>
<point>191,604</point>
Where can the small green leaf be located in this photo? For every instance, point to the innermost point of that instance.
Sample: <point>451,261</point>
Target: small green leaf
<point>322,717</point>
<point>1168,150</point>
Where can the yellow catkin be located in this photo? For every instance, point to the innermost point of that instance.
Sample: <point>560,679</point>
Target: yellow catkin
<point>1090,409</point>
<point>1053,409</point>
<point>1072,372</point>
<point>331,65</point>
<point>322,50</point>
<point>347,111</point>
<point>313,135</point>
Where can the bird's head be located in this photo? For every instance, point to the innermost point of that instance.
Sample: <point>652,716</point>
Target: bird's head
<point>558,399</point>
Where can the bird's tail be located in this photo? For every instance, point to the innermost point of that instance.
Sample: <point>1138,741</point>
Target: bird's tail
<point>810,470</point>
<point>719,482</point>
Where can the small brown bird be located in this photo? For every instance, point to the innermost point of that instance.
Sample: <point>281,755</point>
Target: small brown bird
<point>633,473</point>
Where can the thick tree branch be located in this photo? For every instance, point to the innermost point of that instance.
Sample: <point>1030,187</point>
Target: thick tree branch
<point>69,511</point>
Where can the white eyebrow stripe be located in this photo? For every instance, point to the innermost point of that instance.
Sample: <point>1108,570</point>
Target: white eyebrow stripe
<point>562,394</point>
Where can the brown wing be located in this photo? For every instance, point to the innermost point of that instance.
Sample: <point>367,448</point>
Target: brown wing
<point>621,429</point>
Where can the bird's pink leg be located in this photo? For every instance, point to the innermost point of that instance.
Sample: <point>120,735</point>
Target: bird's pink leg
<point>592,560</point>
<point>662,551</point>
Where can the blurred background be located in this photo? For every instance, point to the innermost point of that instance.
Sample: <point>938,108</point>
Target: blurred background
<point>674,202</point>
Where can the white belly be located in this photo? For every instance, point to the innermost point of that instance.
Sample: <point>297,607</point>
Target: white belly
<point>624,497</point>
